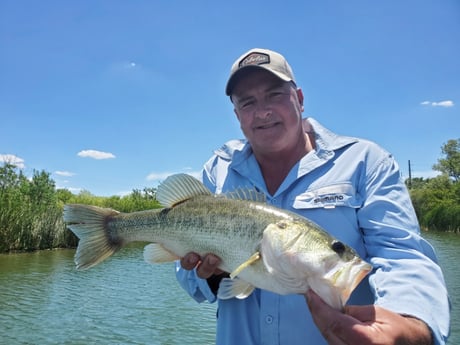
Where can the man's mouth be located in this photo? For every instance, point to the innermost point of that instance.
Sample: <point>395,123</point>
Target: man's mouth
<point>266,125</point>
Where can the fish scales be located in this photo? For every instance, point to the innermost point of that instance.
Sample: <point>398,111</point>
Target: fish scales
<point>199,227</point>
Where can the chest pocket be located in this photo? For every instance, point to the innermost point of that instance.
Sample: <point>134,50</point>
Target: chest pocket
<point>331,196</point>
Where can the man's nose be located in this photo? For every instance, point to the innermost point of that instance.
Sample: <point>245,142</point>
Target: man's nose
<point>263,110</point>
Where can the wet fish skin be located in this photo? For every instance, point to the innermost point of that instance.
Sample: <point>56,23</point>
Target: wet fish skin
<point>262,246</point>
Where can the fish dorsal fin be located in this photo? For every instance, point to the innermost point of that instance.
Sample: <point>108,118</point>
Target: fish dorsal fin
<point>178,188</point>
<point>245,194</point>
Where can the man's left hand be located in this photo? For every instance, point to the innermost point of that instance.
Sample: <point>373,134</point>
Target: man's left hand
<point>366,325</point>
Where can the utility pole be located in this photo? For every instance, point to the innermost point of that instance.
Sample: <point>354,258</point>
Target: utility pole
<point>410,176</point>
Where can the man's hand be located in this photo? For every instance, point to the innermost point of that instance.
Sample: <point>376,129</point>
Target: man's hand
<point>366,325</point>
<point>205,267</point>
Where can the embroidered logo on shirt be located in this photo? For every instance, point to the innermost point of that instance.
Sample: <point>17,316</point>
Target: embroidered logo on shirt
<point>329,199</point>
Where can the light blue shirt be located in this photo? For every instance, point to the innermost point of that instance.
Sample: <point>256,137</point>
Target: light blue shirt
<point>353,189</point>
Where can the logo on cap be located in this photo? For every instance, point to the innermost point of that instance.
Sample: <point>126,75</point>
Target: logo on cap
<point>255,59</point>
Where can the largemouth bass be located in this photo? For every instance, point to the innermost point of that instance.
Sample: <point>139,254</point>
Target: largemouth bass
<point>260,245</point>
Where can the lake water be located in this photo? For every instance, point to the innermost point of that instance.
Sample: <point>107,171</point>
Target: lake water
<point>44,300</point>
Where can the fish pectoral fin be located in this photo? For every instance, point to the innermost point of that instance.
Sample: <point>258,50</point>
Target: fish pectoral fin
<point>254,258</point>
<point>155,253</point>
<point>230,288</point>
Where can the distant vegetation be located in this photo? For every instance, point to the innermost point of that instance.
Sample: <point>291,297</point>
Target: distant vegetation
<point>437,200</point>
<point>31,209</point>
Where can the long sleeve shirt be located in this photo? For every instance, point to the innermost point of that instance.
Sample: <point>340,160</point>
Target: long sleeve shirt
<point>353,189</point>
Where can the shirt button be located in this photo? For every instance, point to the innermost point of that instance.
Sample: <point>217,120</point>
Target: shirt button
<point>269,319</point>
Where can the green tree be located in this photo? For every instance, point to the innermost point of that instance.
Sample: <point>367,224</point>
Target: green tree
<point>450,164</point>
<point>437,200</point>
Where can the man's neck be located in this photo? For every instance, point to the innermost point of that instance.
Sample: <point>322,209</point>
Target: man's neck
<point>276,166</point>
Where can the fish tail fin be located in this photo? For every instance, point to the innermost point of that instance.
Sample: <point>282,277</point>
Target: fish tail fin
<point>89,224</point>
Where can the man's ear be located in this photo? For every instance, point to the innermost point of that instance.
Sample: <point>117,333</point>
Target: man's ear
<point>300,97</point>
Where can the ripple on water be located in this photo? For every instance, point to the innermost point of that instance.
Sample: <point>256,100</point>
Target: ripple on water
<point>43,299</point>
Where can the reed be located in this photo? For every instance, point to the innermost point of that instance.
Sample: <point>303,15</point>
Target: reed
<point>31,210</point>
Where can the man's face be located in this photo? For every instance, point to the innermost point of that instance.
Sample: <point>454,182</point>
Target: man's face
<point>269,110</point>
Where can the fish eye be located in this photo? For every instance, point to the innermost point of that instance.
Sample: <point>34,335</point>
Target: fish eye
<point>338,247</point>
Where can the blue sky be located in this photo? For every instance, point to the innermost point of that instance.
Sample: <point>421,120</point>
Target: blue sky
<point>110,96</point>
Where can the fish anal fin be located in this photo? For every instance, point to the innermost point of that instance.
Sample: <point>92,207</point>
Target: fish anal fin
<point>230,288</point>
<point>155,253</point>
<point>254,258</point>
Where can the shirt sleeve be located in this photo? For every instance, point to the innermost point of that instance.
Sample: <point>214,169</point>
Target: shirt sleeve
<point>196,287</point>
<point>406,278</point>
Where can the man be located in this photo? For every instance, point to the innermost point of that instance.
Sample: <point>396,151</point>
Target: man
<point>349,186</point>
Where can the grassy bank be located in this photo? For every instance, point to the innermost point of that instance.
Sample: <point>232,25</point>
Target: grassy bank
<point>31,210</point>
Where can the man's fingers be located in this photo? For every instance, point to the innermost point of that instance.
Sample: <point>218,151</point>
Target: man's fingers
<point>189,261</point>
<point>208,266</point>
<point>332,323</point>
<point>205,267</point>
<point>361,313</point>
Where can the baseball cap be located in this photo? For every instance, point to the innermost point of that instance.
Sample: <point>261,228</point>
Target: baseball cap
<point>259,58</point>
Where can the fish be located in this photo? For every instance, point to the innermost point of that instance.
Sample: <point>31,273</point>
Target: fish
<point>260,245</point>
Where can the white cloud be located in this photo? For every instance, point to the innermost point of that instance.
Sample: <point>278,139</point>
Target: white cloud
<point>12,159</point>
<point>74,190</point>
<point>64,173</point>
<point>160,176</point>
<point>425,174</point>
<point>124,68</point>
<point>95,154</point>
<point>445,104</point>
<point>124,193</point>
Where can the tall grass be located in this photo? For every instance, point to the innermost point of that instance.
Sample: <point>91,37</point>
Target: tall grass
<point>31,210</point>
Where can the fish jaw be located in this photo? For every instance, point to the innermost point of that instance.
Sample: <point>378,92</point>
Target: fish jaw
<point>340,282</point>
<point>300,256</point>
<point>351,276</point>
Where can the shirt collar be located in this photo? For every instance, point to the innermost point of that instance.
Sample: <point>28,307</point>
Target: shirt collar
<point>325,140</point>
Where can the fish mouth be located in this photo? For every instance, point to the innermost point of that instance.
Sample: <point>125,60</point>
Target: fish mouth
<point>347,277</point>
<point>359,270</point>
<point>363,269</point>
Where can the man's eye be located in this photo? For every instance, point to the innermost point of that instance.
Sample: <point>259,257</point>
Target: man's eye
<point>247,104</point>
<point>276,94</point>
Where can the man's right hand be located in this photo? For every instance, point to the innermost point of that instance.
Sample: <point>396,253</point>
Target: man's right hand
<point>205,266</point>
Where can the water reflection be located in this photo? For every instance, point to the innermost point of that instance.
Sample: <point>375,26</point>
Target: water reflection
<point>44,300</point>
<point>447,247</point>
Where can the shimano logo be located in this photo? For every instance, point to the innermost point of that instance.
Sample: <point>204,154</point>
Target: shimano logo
<point>328,199</point>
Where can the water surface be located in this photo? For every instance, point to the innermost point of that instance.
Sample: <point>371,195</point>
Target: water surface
<point>44,300</point>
